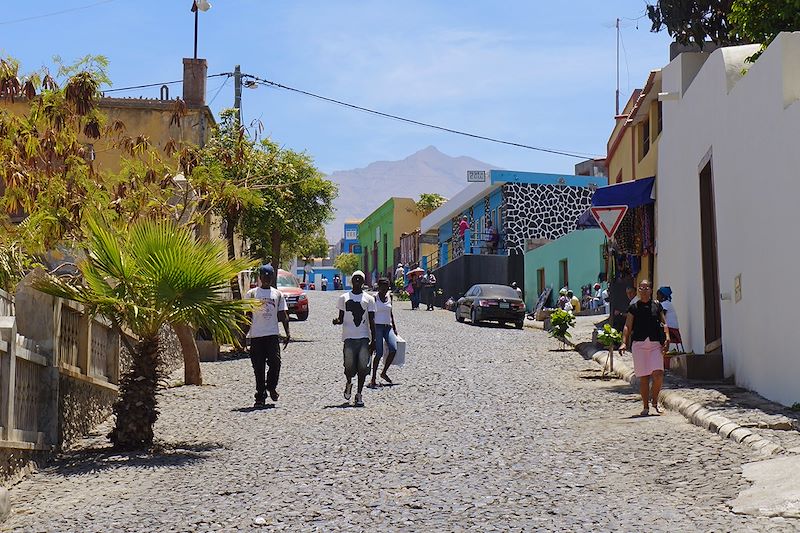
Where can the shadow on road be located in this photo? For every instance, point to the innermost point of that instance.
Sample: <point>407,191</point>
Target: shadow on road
<point>345,405</point>
<point>252,408</point>
<point>163,455</point>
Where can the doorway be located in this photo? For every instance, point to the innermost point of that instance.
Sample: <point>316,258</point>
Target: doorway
<point>540,281</point>
<point>708,233</point>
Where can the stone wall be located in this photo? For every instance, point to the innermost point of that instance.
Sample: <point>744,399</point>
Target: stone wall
<point>81,406</point>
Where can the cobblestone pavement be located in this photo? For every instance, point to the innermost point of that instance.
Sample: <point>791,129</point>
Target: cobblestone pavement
<point>487,428</point>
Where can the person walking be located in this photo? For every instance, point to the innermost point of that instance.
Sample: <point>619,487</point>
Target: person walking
<point>385,330</point>
<point>430,288</point>
<point>416,290</point>
<point>264,335</point>
<point>357,318</point>
<point>664,296</point>
<point>646,329</point>
<point>400,273</point>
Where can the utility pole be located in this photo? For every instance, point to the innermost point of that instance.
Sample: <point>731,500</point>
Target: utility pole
<point>237,93</point>
<point>616,114</point>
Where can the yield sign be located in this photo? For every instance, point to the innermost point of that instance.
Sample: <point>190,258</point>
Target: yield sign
<point>609,217</point>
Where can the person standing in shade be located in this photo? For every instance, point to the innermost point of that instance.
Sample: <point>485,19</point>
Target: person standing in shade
<point>385,330</point>
<point>647,336</point>
<point>430,288</point>
<point>264,335</point>
<point>357,318</point>
<point>492,238</point>
<point>664,296</point>
<point>517,289</point>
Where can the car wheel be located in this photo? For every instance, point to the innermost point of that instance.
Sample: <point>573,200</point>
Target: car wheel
<point>474,318</point>
<point>459,318</point>
<point>520,324</point>
<point>302,316</point>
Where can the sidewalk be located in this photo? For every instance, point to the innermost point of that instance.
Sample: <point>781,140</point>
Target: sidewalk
<point>730,411</point>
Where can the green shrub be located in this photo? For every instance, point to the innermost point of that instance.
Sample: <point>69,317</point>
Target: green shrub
<point>609,337</point>
<point>560,322</point>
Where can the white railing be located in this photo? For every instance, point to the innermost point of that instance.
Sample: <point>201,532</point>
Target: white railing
<point>83,349</point>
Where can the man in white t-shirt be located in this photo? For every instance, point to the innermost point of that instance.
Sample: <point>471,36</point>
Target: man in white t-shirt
<point>264,337</point>
<point>357,317</point>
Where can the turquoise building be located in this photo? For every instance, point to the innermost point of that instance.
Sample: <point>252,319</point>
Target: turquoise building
<point>574,260</point>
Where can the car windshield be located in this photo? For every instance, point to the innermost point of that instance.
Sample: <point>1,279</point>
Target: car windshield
<point>287,281</point>
<point>498,291</point>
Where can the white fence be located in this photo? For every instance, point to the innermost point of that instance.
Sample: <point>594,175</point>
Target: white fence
<point>70,345</point>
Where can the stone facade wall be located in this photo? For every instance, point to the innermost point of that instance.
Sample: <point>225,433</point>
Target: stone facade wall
<point>81,406</point>
<point>541,212</point>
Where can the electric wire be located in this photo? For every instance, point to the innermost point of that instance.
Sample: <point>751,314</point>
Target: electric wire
<point>574,154</point>
<point>219,90</point>
<point>54,13</point>
<point>147,85</point>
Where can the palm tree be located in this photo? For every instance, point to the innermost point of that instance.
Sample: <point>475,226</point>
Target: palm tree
<point>153,274</point>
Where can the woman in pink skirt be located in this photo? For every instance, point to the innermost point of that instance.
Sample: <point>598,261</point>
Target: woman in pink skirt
<point>646,328</point>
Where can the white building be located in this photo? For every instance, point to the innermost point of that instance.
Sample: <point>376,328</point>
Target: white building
<point>728,189</point>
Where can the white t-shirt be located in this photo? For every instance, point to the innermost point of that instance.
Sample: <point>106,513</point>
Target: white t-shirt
<point>383,310</point>
<point>356,309</point>
<point>669,313</point>
<point>265,316</point>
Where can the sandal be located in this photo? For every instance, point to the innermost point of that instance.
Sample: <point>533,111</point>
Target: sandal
<point>645,412</point>
<point>655,406</point>
<point>385,378</point>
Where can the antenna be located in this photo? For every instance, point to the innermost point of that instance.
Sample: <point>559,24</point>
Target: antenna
<point>617,94</point>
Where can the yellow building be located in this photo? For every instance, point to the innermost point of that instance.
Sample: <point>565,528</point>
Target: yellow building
<point>633,150</point>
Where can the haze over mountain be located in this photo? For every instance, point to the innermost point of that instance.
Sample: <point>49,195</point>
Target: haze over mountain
<point>362,190</point>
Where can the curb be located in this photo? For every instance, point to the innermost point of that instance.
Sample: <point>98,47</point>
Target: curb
<point>693,411</point>
<point>5,507</point>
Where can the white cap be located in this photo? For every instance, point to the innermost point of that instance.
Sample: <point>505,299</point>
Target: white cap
<point>358,273</point>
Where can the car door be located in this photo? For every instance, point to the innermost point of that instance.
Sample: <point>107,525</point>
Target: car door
<point>476,292</point>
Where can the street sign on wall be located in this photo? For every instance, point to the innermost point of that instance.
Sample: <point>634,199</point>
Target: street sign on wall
<point>609,217</point>
<point>476,176</point>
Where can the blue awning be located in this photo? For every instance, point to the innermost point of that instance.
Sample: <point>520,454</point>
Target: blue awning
<point>631,193</point>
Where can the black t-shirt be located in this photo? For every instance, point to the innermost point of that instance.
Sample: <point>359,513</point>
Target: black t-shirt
<point>647,321</point>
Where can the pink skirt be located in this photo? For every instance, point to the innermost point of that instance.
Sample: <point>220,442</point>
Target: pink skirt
<point>647,357</point>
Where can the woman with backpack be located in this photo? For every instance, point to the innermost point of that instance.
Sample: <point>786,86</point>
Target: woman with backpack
<point>646,329</point>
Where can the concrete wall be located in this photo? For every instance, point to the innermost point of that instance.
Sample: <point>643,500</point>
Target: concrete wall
<point>581,249</point>
<point>747,126</point>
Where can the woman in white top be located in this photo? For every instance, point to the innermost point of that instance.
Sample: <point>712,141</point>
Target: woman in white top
<point>385,330</point>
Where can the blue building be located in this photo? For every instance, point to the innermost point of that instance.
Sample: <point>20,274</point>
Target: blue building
<point>527,209</point>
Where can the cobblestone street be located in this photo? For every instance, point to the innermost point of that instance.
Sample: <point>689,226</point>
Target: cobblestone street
<point>486,427</point>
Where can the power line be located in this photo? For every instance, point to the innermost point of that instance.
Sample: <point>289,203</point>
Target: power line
<point>577,155</point>
<point>54,13</point>
<point>224,83</point>
<point>132,87</point>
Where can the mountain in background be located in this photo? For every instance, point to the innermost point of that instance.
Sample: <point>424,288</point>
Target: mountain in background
<point>363,190</point>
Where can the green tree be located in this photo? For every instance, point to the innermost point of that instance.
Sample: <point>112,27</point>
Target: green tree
<point>295,206</point>
<point>154,273</point>
<point>346,263</point>
<point>760,21</point>
<point>312,246</point>
<point>429,202</point>
<point>694,21</point>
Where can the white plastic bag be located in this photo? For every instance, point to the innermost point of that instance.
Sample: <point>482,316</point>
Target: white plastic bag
<point>400,356</point>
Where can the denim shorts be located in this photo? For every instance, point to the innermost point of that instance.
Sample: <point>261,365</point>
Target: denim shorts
<point>384,332</point>
<point>356,357</point>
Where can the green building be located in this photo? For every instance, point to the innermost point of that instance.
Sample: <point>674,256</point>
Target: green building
<point>379,235</point>
<point>572,261</point>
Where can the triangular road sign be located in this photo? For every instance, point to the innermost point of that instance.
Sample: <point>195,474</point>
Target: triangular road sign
<point>609,217</point>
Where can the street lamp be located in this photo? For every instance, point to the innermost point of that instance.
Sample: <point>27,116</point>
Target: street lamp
<point>197,7</point>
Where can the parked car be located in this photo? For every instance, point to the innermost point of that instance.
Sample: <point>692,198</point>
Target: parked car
<point>287,283</point>
<point>484,302</point>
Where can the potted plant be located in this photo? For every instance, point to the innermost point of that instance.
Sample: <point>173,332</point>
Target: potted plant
<point>610,338</point>
<point>560,322</point>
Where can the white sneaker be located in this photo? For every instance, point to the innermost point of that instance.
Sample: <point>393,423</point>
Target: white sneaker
<point>359,402</point>
<point>348,389</point>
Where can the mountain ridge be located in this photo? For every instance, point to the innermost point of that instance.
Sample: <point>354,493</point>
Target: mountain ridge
<point>362,190</point>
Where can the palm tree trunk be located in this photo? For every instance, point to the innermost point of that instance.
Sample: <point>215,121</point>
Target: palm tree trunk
<point>136,408</point>
<point>191,356</point>
<point>230,234</point>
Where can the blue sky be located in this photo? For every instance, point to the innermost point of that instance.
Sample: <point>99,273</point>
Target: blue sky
<point>534,72</point>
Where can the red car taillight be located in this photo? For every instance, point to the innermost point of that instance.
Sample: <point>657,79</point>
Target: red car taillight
<point>486,303</point>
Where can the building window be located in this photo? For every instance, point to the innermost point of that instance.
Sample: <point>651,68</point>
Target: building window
<point>660,118</point>
<point>540,281</point>
<point>563,273</point>
<point>645,139</point>
<point>351,235</point>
